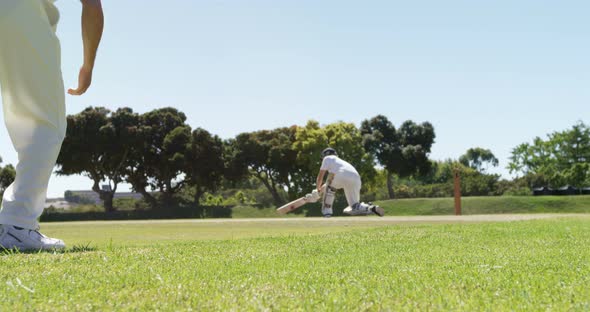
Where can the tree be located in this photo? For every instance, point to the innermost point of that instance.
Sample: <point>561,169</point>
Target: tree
<point>7,175</point>
<point>345,138</point>
<point>560,159</point>
<point>534,159</point>
<point>577,175</point>
<point>268,156</point>
<point>403,152</point>
<point>442,171</point>
<point>479,159</point>
<point>473,182</point>
<point>159,157</point>
<point>97,145</point>
<point>173,162</point>
<point>236,169</point>
<point>204,166</point>
<point>571,147</point>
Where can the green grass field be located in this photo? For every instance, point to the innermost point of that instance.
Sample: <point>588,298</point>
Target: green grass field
<point>445,206</point>
<point>397,207</point>
<point>489,205</point>
<point>342,264</point>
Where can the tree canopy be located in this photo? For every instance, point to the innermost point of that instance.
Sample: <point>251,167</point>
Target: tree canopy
<point>97,145</point>
<point>479,159</point>
<point>563,158</point>
<point>204,166</point>
<point>402,151</point>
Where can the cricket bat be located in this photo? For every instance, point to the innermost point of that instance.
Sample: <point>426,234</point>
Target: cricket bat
<point>292,206</point>
<point>303,200</point>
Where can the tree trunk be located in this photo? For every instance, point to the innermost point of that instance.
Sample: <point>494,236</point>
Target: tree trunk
<point>277,198</point>
<point>167,195</point>
<point>390,185</point>
<point>139,186</point>
<point>148,197</point>
<point>197,202</point>
<point>107,198</point>
<point>275,195</point>
<point>197,198</point>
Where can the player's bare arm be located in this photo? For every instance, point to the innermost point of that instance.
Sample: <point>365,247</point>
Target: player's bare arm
<point>320,180</point>
<point>92,26</point>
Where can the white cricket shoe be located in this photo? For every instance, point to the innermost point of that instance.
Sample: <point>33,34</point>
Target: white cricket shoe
<point>12,237</point>
<point>363,209</point>
<point>359,209</point>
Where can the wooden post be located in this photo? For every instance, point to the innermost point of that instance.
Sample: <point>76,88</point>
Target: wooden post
<point>457,193</point>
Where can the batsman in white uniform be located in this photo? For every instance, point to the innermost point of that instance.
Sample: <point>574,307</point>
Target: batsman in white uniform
<point>342,175</point>
<point>34,108</point>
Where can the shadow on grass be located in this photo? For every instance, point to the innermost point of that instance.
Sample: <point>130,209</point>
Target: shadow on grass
<point>75,249</point>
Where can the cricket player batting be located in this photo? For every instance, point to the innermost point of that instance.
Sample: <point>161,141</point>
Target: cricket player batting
<point>34,108</point>
<point>343,176</point>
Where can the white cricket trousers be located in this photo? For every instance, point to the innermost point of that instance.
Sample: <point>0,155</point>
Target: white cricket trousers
<point>33,103</point>
<point>350,182</point>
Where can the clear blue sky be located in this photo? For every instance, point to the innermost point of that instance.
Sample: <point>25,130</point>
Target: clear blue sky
<point>486,73</point>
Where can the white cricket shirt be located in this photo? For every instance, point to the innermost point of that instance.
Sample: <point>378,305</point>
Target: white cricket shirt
<point>335,165</point>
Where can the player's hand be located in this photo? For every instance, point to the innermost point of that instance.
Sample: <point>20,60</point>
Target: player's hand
<point>315,195</point>
<point>84,81</point>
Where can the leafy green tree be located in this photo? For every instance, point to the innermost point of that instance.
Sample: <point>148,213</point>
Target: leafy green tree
<point>560,159</point>
<point>479,159</point>
<point>204,168</point>
<point>345,138</point>
<point>159,158</point>
<point>535,162</point>
<point>402,151</point>
<point>577,175</point>
<point>473,182</point>
<point>268,156</point>
<point>137,169</point>
<point>236,172</point>
<point>173,162</point>
<point>7,175</point>
<point>443,171</point>
<point>97,146</point>
<point>571,147</point>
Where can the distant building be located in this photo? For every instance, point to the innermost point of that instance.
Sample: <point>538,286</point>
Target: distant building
<point>128,195</point>
<point>93,198</point>
<point>90,195</point>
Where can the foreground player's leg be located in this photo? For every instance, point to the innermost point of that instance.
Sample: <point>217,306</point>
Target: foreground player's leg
<point>34,113</point>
